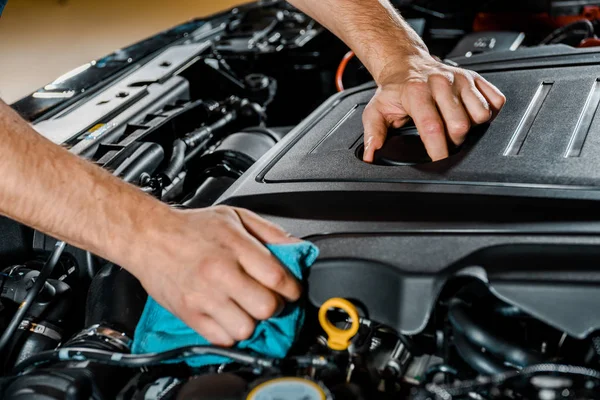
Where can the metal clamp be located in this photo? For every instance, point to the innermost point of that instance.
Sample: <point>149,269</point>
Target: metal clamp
<point>104,334</point>
<point>40,329</point>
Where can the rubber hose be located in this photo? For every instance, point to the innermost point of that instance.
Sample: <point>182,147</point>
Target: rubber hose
<point>177,160</point>
<point>139,360</point>
<point>439,368</point>
<point>266,131</point>
<point>481,337</point>
<point>115,299</point>
<point>193,139</point>
<point>509,311</point>
<point>483,363</point>
<point>37,287</point>
<point>465,387</point>
<point>583,24</point>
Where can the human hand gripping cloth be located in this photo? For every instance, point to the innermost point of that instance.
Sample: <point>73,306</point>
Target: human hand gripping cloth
<point>158,330</point>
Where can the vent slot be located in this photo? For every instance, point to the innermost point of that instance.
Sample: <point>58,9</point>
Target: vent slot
<point>351,122</point>
<point>584,123</point>
<point>518,138</point>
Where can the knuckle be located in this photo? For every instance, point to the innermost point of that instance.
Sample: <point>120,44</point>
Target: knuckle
<point>275,277</point>
<point>432,128</point>
<point>416,87</point>
<point>267,308</point>
<point>210,336</point>
<point>370,113</point>
<point>481,115</point>
<point>218,271</point>
<point>201,324</point>
<point>226,246</point>
<point>221,208</point>
<point>210,269</point>
<point>212,306</point>
<point>225,211</point>
<point>189,303</point>
<point>441,79</point>
<point>244,330</point>
<point>468,75</point>
<point>459,127</point>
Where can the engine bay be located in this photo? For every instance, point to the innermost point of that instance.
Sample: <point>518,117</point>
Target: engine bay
<point>473,277</point>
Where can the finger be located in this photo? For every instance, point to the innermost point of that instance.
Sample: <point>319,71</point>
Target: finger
<point>210,330</point>
<point>254,298</point>
<point>235,321</point>
<point>492,94</point>
<point>263,230</point>
<point>429,124</point>
<point>260,264</point>
<point>399,123</point>
<point>476,104</point>
<point>376,127</point>
<point>455,117</point>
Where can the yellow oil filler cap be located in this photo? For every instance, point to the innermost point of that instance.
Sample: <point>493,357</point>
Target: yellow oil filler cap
<point>339,339</point>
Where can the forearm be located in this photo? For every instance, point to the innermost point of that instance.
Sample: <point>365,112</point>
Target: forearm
<point>48,188</point>
<point>373,29</point>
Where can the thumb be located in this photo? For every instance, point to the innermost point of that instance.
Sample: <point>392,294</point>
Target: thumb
<point>376,127</point>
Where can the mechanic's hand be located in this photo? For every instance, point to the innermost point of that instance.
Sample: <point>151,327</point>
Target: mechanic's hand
<point>443,101</point>
<point>212,271</point>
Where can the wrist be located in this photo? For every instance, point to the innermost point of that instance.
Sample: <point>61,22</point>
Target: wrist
<point>137,238</point>
<point>395,52</point>
<point>400,64</point>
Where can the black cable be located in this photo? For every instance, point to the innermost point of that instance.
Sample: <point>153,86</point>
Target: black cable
<point>562,33</point>
<point>90,265</point>
<point>199,139</point>
<point>177,160</point>
<point>445,15</point>
<point>200,135</point>
<point>38,285</point>
<point>139,360</point>
<point>461,321</point>
<point>448,391</point>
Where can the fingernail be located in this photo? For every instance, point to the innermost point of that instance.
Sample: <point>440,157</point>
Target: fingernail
<point>292,239</point>
<point>439,157</point>
<point>367,156</point>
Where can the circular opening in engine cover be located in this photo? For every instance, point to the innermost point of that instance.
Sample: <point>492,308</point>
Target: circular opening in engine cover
<point>403,146</point>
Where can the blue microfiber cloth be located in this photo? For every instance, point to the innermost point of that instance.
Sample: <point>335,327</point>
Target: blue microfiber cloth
<point>158,330</point>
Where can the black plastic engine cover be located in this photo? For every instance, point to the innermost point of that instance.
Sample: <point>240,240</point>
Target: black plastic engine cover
<point>391,234</point>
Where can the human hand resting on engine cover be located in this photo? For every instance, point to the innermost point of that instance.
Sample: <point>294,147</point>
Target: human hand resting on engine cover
<point>209,267</point>
<point>443,101</point>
